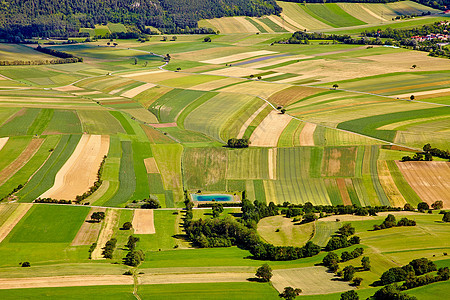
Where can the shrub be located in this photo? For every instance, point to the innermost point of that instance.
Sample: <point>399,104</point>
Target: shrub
<point>423,206</point>
<point>127,226</point>
<point>357,281</point>
<point>26,264</point>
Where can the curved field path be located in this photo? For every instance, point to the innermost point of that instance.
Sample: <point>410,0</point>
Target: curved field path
<point>249,121</point>
<point>80,171</point>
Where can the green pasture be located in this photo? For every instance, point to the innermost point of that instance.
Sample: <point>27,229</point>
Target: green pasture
<point>99,122</point>
<point>49,224</point>
<point>64,121</point>
<point>116,27</point>
<point>21,122</point>
<point>39,75</point>
<point>12,149</point>
<point>165,226</point>
<point>192,106</point>
<point>252,163</point>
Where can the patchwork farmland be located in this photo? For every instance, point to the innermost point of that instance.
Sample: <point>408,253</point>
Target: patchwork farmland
<point>327,123</point>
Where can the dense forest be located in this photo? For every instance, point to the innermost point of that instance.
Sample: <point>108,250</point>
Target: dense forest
<point>439,4</point>
<point>26,18</point>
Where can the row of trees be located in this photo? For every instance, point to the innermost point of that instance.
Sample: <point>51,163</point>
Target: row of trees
<point>427,154</point>
<point>417,267</point>
<point>108,250</point>
<point>134,257</point>
<point>332,260</point>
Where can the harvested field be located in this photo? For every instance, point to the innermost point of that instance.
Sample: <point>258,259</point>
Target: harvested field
<point>270,129</point>
<point>151,166</point>
<point>142,73</point>
<point>80,171</point>
<point>87,93</point>
<point>282,231</point>
<point>194,278</point>
<point>311,280</point>
<point>292,94</point>
<point>137,90</point>
<point>20,161</point>
<point>217,84</point>
<point>142,115</point>
<point>143,222</point>
<point>89,231</point>
<point>59,281</point>
<point>3,141</point>
<point>13,219</point>
<point>255,88</point>
<point>307,134</point>
<point>250,120</point>
<point>235,57</point>
<point>429,179</point>
<point>164,125</point>
<point>111,219</point>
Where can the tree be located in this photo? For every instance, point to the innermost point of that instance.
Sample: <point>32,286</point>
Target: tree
<point>346,230</point>
<point>365,261</point>
<point>98,216</point>
<point>446,217</point>
<point>127,226</point>
<point>423,206</point>
<point>217,209</point>
<point>408,207</point>
<point>329,258</point>
<point>414,66</point>
<point>411,97</point>
<point>178,69</point>
<point>151,203</point>
<point>357,281</point>
<point>25,264</point>
<point>437,204</point>
<point>207,39</point>
<point>134,258</point>
<point>290,293</point>
<point>135,61</point>
<point>283,111</point>
<point>309,217</point>
<point>174,38</point>
<point>427,148</point>
<point>335,86</point>
<point>350,295</point>
<point>349,272</point>
<point>132,240</point>
<point>264,273</point>
<point>346,256</point>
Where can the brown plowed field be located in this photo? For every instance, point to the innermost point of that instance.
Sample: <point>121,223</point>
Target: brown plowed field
<point>307,134</point>
<point>143,221</point>
<point>429,179</point>
<point>292,94</point>
<point>270,129</point>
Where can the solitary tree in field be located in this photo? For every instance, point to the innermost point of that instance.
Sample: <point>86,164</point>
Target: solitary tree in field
<point>127,226</point>
<point>411,97</point>
<point>135,61</point>
<point>174,38</point>
<point>283,111</point>
<point>264,273</point>
<point>98,216</point>
<point>207,39</point>
<point>423,206</point>
<point>335,86</point>
<point>408,207</point>
<point>290,293</point>
<point>414,66</point>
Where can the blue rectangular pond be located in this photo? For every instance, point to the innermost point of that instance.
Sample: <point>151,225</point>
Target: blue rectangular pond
<point>212,197</point>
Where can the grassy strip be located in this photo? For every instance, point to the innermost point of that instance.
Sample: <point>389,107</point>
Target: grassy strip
<point>12,149</point>
<point>19,125</point>
<point>141,151</point>
<point>64,121</point>
<point>127,178</point>
<point>272,25</point>
<point>260,194</point>
<point>315,165</point>
<point>333,191</point>
<point>256,24</point>
<point>45,177</point>
<point>408,193</point>
<point>123,121</point>
<point>41,122</point>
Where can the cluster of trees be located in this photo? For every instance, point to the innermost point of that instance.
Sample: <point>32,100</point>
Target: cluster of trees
<point>134,257</point>
<point>290,293</point>
<point>427,154</point>
<point>96,185</point>
<point>417,267</point>
<point>98,216</point>
<point>390,222</point>
<point>50,200</point>
<point>344,238</point>
<point>151,203</point>
<point>331,260</point>
<point>238,143</point>
<point>45,18</point>
<point>38,62</point>
<point>446,217</point>
<point>217,209</point>
<point>391,291</point>
<point>127,226</point>
<point>108,250</point>
<point>226,232</point>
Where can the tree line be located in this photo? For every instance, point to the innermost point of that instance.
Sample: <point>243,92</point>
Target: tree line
<point>427,154</point>
<point>439,4</point>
